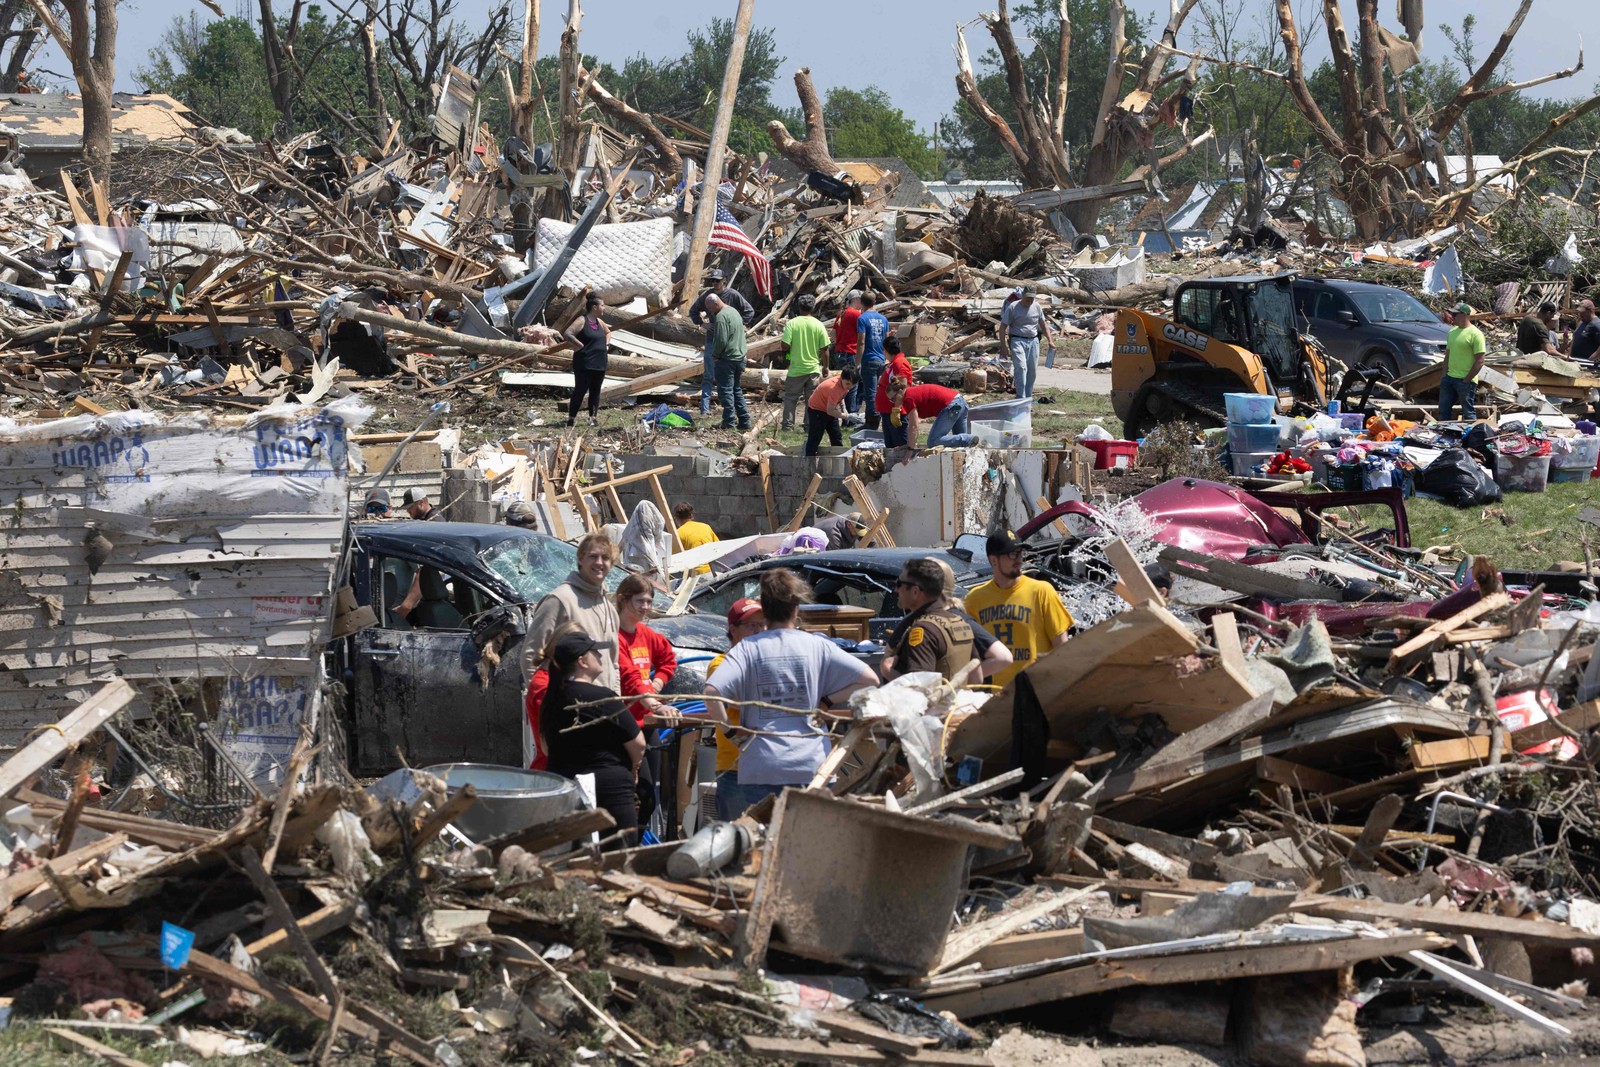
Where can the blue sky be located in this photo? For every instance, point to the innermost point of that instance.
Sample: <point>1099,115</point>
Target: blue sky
<point>903,46</point>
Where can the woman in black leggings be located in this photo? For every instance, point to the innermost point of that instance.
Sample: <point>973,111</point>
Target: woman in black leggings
<point>591,336</point>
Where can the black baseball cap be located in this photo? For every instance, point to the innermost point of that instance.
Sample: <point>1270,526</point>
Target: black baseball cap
<point>1003,543</point>
<point>412,495</point>
<point>377,498</point>
<point>572,646</point>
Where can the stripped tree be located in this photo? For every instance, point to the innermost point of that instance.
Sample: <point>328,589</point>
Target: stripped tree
<point>811,154</point>
<point>1381,149</point>
<point>1129,117</point>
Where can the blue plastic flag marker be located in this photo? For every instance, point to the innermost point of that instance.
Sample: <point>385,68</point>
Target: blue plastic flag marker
<point>175,945</point>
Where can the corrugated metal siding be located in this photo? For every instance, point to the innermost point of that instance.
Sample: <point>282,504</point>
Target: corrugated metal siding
<point>225,542</point>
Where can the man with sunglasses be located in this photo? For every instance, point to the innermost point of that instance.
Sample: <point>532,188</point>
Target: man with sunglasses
<point>931,637</point>
<point>1024,613</point>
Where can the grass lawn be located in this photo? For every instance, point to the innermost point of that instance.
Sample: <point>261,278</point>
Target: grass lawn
<point>1543,527</point>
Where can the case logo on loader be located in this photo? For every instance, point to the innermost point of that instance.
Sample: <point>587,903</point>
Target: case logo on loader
<point>1173,332</point>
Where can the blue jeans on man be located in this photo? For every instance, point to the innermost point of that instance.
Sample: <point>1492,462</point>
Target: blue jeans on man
<point>1453,391</point>
<point>1024,364</point>
<point>867,390</point>
<point>708,380</point>
<point>733,798</point>
<point>729,371</point>
<point>950,427</point>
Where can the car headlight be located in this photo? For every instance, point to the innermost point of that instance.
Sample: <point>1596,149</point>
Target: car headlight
<point>1427,349</point>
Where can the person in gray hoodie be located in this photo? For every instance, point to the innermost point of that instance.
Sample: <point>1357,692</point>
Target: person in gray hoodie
<point>582,599</point>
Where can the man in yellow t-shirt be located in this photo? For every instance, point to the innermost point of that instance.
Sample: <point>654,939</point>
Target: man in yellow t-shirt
<point>691,532</point>
<point>744,618</point>
<point>1024,613</point>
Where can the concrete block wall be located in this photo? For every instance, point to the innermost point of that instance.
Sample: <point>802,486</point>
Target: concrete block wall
<point>733,504</point>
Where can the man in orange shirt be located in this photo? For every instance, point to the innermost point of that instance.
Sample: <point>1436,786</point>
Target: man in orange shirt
<point>825,409</point>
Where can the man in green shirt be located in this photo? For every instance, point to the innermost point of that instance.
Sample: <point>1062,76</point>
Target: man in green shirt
<point>1464,349</point>
<point>805,340</point>
<point>727,352</point>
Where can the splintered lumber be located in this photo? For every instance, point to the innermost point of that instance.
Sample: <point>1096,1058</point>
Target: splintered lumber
<point>569,827</point>
<point>57,738</point>
<point>1404,652</point>
<point>1135,586</point>
<point>805,1050</point>
<point>1253,961</point>
<point>357,1020</point>
<point>15,886</point>
<point>85,1043</point>
<point>1452,923</point>
<point>1129,665</point>
<point>968,941</point>
<point>320,923</point>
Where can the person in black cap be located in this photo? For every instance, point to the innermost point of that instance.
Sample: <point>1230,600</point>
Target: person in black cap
<point>377,504</point>
<point>587,729</point>
<point>1024,613</point>
<point>417,505</point>
<point>699,314</point>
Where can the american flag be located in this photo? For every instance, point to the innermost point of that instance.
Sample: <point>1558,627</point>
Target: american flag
<point>726,233</point>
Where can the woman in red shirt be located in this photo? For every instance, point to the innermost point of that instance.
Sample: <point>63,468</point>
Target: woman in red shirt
<point>654,662</point>
<point>894,431</point>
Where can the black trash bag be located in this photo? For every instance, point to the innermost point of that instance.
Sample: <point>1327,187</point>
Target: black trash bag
<point>906,1017</point>
<point>1456,478</point>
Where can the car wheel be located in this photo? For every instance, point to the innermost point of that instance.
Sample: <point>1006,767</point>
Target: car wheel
<point>1384,363</point>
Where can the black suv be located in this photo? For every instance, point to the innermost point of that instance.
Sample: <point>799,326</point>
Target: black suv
<point>1363,324</point>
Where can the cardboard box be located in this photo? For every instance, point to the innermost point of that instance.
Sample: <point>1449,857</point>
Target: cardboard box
<point>922,340</point>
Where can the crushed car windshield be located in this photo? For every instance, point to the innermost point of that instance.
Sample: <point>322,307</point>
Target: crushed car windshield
<point>536,565</point>
<point>1392,306</point>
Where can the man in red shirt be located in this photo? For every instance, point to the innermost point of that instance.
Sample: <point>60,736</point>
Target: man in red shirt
<point>846,343</point>
<point>899,367</point>
<point>946,407</point>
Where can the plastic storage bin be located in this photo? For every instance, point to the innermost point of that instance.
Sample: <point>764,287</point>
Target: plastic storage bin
<point>1245,463</point>
<point>1003,424</point>
<point>1522,474</point>
<point>1250,407</point>
<point>1017,434</point>
<point>1585,454</point>
<point>1109,454</point>
<point>1346,477</point>
<point>1251,437</point>
<point>1570,474</point>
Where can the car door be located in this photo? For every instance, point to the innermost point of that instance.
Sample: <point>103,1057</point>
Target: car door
<point>417,695</point>
<point>1332,319</point>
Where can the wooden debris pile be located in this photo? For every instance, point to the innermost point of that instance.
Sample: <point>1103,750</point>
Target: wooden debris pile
<point>1337,823</point>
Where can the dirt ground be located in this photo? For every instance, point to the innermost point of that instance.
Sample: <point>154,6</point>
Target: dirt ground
<point>1463,1035</point>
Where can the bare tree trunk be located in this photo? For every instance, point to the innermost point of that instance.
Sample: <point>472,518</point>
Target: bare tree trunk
<point>90,42</point>
<point>566,161</point>
<point>277,51</point>
<point>522,105</point>
<point>369,62</point>
<point>811,153</point>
